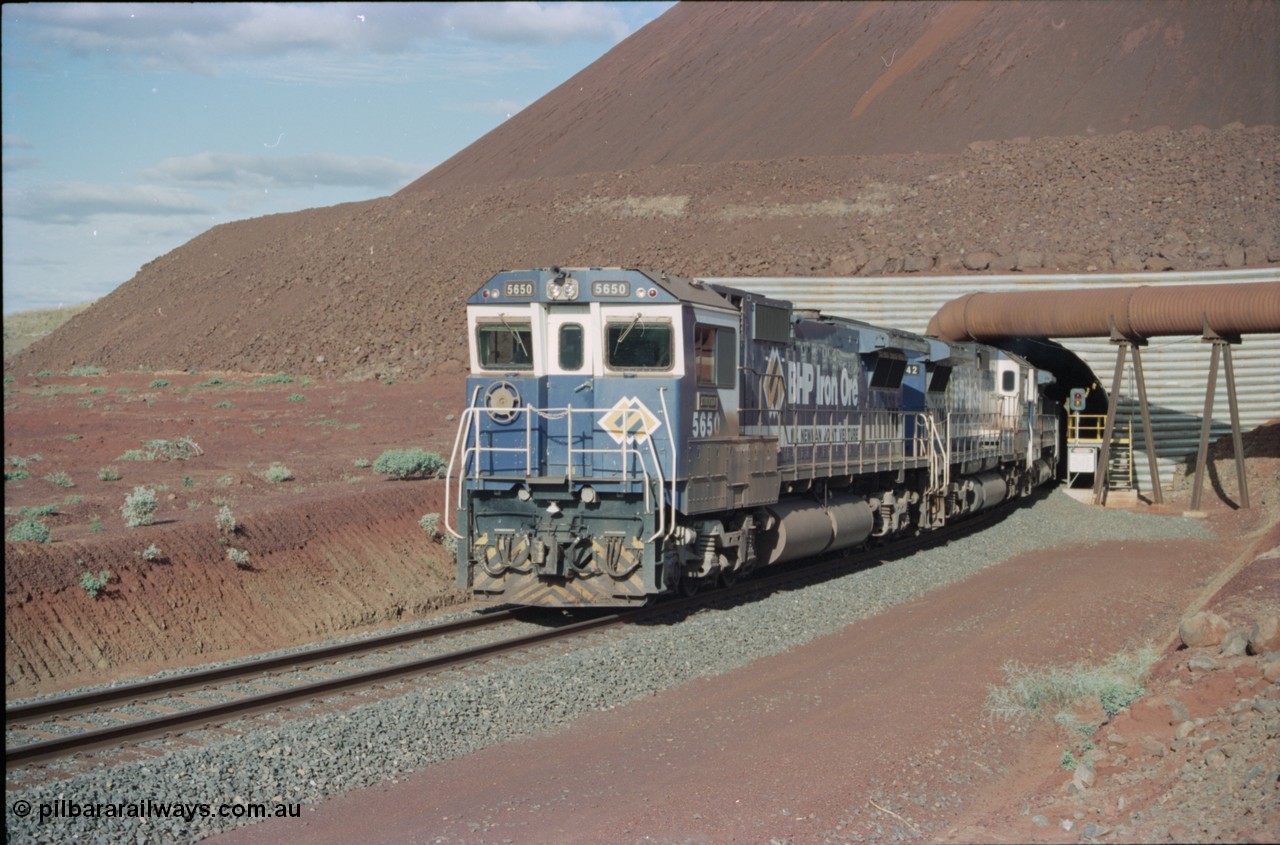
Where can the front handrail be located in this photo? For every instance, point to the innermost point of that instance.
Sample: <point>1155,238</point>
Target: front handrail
<point>459,439</point>
<point>635,464</point>
<point>664,530</point>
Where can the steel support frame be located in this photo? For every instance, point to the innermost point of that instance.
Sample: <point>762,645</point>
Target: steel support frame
<point>1221,347</point>
<point>1123,346</point>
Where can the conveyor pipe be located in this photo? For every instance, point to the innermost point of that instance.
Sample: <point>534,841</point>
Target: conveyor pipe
<point>1133,313</point>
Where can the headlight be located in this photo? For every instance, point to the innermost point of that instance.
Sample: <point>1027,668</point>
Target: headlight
<point>561,289</point>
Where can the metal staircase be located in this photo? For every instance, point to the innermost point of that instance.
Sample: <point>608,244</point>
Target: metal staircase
<point>1120,464</point>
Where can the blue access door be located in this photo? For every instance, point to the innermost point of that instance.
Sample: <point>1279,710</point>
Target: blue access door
<point>569,390</point>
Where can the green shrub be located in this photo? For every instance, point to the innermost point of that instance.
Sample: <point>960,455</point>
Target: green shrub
<point>151,553</point>
<point>109,474</point>
<point>1118,695</point>
<point>239,557</point>
<point>139,507</point>
<point>403,463</point>
<point>226,520</point>
<point>173,450</point>
<point>35,511</point>
<point>1031,692</point>
<point>89,370</point>
<point>135,455</point>
<point>278,378</point>
<point>93,584</point>
<point>16,474</point>
<point>60,478</point>
<point>95,524</point>
<point>297,397</point>
<point>29,530</point>
<point>431,524</point>
<point>225,403</point>
<point>277,473</point>
<point>160,382</point>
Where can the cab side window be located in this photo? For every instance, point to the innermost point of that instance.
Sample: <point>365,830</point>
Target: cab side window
<point>637,345</point>
<point>714,355</point>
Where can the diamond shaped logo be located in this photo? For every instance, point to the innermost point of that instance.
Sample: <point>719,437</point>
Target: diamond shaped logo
<point>629,421</point>
<point>775,384</point>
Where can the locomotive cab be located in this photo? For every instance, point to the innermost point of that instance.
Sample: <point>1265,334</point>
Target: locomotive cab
<point>585,386</point>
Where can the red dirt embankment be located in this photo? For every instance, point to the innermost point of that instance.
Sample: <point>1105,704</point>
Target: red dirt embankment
<point>334,550</point>
<point>329,568</point>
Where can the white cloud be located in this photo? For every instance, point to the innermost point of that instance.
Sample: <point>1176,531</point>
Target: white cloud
<point>17,142</point>
<point>539,23</point>
<point>13,164</point>
<point>505,108</point>
<point>201,36</point>
<point>73,202</point>
<point>232,171</point>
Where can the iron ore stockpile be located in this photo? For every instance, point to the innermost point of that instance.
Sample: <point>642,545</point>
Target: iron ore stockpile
<point>1097,144</point>
<point>307,759</point>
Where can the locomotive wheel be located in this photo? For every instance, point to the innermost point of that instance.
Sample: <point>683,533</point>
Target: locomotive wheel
<point>728,577</point>
<point>689,586</point>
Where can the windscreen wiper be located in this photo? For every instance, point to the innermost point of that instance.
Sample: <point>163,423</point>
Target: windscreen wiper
<point>515,334</point>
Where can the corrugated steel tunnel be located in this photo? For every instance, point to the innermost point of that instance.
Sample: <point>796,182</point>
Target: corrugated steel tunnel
<point>1221,313</point>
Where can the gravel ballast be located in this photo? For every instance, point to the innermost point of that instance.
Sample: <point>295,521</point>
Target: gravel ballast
<point>310,758</point>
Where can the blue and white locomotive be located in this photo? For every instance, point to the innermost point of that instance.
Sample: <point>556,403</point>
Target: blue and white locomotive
<point>629,434</point>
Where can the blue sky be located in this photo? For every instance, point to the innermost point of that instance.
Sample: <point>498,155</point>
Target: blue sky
<point>130,129</point>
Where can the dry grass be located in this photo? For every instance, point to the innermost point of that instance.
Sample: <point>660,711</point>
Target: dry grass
<point>1051,691</point>
<point>26,327</point>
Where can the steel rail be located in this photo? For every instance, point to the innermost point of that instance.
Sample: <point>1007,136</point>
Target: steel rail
<point>68,705</point>
<point>149,728</point>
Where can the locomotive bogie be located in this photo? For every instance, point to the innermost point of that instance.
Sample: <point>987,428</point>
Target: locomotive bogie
<point>629,435</point>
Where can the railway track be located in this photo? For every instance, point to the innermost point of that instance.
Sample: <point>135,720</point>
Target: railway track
<point>63,726</point>
<point>72,724</point>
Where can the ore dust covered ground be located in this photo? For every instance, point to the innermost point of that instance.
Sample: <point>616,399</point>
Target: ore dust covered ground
<point>878,733</point>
